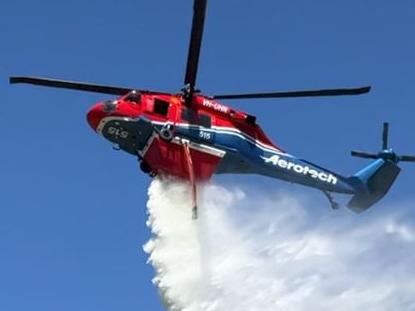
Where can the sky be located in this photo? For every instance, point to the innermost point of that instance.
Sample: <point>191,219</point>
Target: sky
<point>72,210</point>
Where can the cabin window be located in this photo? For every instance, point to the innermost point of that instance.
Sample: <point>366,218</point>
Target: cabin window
<point>193,118</point>
<point>188,115</point>
<point>205,120</point>
<point>161,107</point>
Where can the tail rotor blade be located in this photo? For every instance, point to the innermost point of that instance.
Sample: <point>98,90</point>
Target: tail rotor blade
<point>407,158</point>
<point>362,154</point>
<point>385,135</point>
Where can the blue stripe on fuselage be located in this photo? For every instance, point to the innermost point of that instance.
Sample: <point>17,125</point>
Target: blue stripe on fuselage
<point>263,159</point>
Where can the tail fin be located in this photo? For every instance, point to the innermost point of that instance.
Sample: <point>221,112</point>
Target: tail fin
<point>372,183</point>
<point>375,180</point>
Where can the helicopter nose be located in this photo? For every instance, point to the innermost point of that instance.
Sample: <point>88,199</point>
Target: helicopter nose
<point>95,115</point>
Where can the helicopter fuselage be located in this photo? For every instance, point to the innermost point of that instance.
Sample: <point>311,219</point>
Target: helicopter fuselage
<point>155,128</point>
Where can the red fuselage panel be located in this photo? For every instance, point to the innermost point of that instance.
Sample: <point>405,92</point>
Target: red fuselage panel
<point>170,158</point>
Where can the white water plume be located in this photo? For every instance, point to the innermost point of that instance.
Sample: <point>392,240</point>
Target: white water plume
<point>273,253</point>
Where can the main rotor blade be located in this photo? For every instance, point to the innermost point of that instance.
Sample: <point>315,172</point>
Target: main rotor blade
<point>199,10</point>
<point>362,154</point>
<point>407,158</point>
<point>385,135</point>
<point>80,86</point>
<point>309,93</point>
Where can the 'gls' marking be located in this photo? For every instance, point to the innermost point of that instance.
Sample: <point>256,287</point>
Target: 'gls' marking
<point>117,132</point>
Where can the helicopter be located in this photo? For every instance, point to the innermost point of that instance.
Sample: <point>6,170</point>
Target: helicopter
<point>193,136</point>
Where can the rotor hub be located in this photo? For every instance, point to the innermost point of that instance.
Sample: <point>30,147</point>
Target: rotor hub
<point>388,155</point>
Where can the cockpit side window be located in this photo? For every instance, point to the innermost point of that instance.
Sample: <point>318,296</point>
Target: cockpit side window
<point>161,107</point>
<point>134,97</point>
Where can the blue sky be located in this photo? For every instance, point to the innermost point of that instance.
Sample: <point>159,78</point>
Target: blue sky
<point>72,211</point>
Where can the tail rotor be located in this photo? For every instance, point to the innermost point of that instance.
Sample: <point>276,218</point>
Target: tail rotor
<point>386,153</point>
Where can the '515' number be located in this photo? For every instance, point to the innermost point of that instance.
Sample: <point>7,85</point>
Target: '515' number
<point>205,135</point>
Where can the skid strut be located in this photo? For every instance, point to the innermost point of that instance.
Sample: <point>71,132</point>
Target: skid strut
<point>192,179</point>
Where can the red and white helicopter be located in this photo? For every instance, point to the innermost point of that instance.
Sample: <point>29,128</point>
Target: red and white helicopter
<point>193,136</point>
